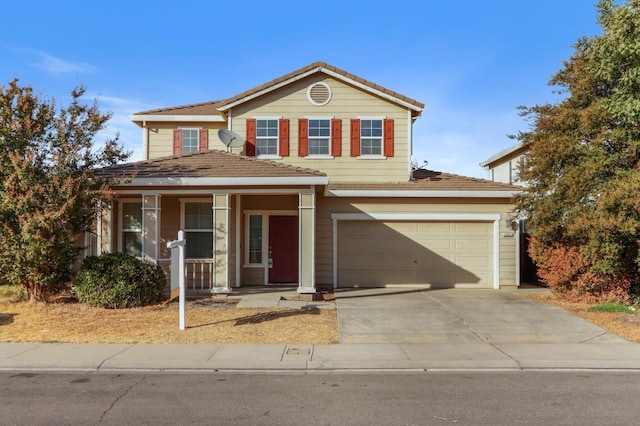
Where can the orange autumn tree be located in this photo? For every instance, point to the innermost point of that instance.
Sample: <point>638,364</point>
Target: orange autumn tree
<point>49,192</point>
<point>583,168</point>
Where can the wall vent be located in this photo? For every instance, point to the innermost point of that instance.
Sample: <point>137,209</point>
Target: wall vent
<point>319,93</point>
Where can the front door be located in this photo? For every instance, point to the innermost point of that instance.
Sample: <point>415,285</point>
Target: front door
<point>283,249</point>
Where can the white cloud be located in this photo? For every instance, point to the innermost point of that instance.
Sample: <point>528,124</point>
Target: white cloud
<point>57,66</point>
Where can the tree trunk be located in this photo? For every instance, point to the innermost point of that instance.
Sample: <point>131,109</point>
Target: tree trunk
<point>35,292</point>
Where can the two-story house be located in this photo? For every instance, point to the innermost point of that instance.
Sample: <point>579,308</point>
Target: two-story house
<point>320,191</point>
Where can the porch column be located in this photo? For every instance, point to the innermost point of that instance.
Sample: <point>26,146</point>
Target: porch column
<point>150,227</point>
<point>221,211</point>
<point>307,242</point>
<point>105,224</point>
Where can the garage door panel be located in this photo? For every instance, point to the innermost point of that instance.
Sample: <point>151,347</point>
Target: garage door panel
<point>439,254</point>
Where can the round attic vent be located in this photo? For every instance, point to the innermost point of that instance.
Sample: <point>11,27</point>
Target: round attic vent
<point>319,93</point>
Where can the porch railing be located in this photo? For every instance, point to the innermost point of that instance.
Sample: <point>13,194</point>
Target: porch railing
<point>198,273</point>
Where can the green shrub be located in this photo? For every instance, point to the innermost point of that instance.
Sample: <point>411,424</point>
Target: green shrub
<point>116,280</point>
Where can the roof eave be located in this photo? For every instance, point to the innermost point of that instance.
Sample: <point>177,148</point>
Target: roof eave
<point>226,181</point>
<point>140,118</point>
<point>430,193</point>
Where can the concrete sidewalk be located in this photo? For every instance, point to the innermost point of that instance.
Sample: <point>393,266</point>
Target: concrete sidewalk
<point>318,358</point>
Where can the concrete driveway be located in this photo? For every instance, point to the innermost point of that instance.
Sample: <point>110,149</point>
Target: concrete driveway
<point>405,315</point>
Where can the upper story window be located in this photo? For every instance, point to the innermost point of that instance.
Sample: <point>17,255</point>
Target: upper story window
<point>319,137</point>
<point>370,137</point>
<point>186,140</point>
<point>189,140</point>
<point>266,137</point>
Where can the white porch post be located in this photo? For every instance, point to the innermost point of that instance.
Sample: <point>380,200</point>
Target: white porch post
<point>150,227</point>
<point>307,242</point>
<point>221,212</point>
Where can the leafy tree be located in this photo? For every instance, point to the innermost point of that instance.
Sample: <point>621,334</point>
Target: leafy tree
<point>584,164</point>
<point>48,189</point>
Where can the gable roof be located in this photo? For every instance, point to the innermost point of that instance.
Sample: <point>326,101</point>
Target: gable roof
<point>212,167</point>
<point>506,154</point>
<point>330,70</point>
<point>214,110</point>
<point>428,183</point>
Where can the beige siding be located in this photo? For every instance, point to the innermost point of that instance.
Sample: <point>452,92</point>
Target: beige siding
<point>160,137</point>
<point>508,171</point>
<point>346,103</point>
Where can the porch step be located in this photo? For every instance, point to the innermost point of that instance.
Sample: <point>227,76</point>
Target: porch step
<point>279,299</point>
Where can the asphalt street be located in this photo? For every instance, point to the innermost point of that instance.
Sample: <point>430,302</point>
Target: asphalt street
<point>478,398</point>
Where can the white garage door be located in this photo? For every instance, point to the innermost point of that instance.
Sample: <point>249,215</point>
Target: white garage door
<point>439,254</point>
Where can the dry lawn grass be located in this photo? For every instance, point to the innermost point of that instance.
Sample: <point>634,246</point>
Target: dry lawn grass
<point>621,324</point>
<point>207,320</point>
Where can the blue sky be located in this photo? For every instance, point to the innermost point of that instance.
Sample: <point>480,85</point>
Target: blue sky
<point>472,63</point>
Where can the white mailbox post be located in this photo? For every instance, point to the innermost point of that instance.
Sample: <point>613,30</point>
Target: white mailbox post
<point>177,273</point>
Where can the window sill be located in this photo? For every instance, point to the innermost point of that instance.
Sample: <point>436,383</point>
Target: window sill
<point>371,157</point>
<point>253,265</point>
<point>269,157</point>
<point>319,157</point>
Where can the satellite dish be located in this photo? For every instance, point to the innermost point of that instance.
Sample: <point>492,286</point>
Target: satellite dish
<point>230,139</point>
<point>415,166</point>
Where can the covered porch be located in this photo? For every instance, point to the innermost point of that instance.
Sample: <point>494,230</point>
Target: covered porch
<point>240,230</point>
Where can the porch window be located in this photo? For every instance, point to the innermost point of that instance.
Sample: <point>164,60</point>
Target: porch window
<point>267,137</point>
<point>255,239</point>
<point>132,228</point>
<point>198,227</point>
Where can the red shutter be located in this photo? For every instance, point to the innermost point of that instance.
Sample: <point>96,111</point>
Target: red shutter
<point>355,137</point>
<point>177,142</point>
<point>336,137</point>
<point>284,137</point>
<point>303,137</point>
<point>388,138</point>
<point>250,148</point>
<point>203,140</point>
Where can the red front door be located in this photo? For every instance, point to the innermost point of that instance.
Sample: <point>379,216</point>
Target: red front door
<point>283,249</point>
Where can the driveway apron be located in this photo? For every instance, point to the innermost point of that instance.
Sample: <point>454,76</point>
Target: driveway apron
<point>418,315</point>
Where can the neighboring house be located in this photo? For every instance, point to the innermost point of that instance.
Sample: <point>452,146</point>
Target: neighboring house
<point>321,193</point>
<point>506,166</point>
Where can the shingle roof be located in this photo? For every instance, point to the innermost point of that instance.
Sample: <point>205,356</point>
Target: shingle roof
<point>203,108</point>
<point>429,180</point>
<point>214,107</point>
<point>212,163</point>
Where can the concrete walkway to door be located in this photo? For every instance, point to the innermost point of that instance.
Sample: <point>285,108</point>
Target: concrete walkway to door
<point>410,315</point>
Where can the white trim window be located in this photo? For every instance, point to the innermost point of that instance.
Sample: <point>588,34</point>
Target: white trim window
<point>190,140</point>
<point>255,227</point>
<point>267,137</point>
<point>319,136</point>
<point>371,136</point>
<point>131,228</point>
<point>198,228</point>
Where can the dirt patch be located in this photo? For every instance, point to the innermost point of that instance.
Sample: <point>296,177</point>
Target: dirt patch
<point>208,320</point>
<point>621,324</point>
